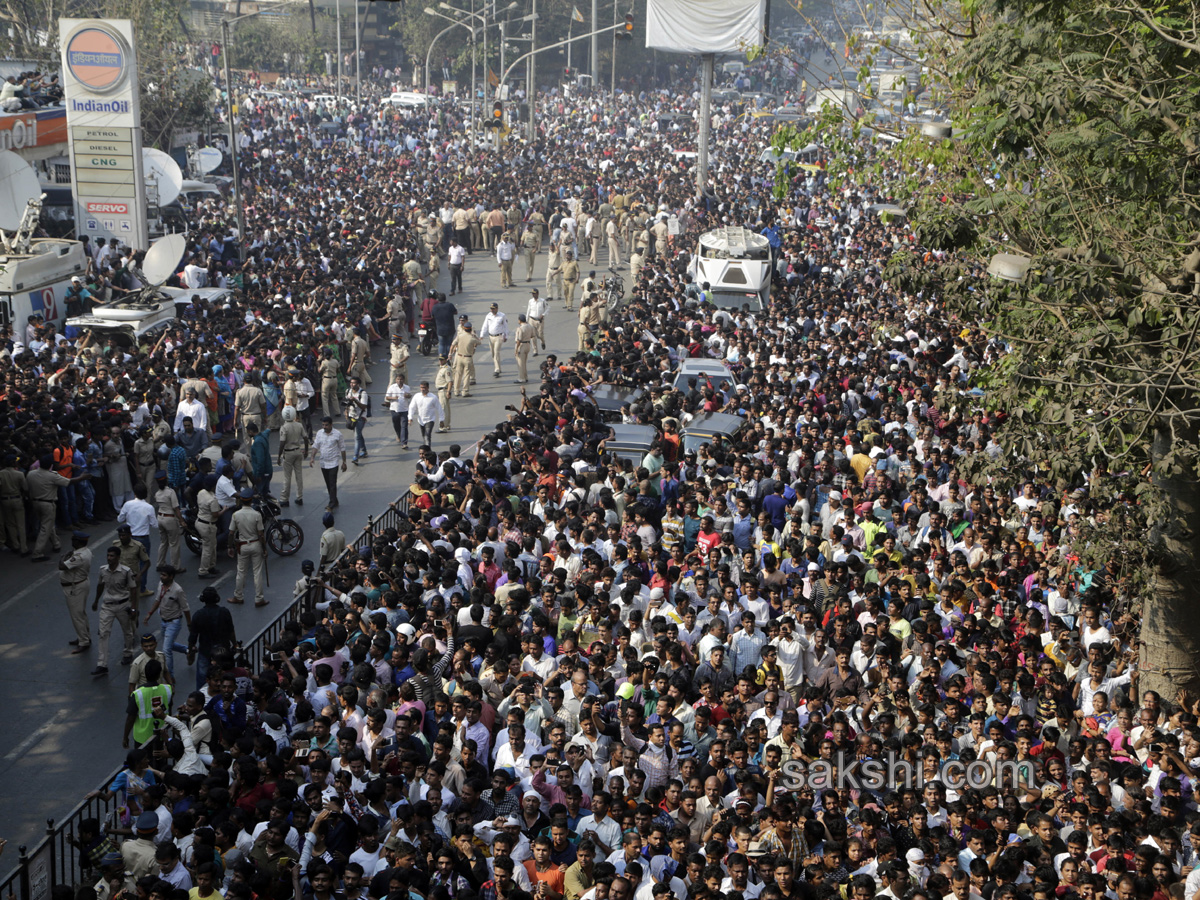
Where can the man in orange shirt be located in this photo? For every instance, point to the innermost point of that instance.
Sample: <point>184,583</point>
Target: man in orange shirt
<point>545,876</point>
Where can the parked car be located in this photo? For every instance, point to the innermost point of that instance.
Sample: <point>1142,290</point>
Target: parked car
<point>706,427</point>
<point>716,370</point>
<point>630,442</point>
<point>609,398</point>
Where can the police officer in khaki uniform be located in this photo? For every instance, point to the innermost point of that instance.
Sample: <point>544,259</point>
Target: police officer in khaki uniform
<point>530,244</point>
<point>444,383</point>
<point>525,336</point>
<point>433,248</point>
<point>293,450</point>
<point>414,281</point>
<point>143,459</point>
<point>170,521</point>
<point>247,543</point>
<point>637,259</point>
<point>660,233</point>
<point>462,351</point>
<point>74,574</point>
<point>14,491</point>
<point>399,360</point>
<point>554,283</point>
<point>44,483</point>
<point>291,388</point>
<point>397,317</point>
<point>360,356</point>
<point>570,279</point>
<point>537,224</point>
<point>208,511</point>
<point>328,369</point>
<point>249,405</point>
<point>614,246</point>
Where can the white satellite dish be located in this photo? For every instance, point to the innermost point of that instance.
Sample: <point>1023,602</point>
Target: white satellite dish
<point>164,172</point>
<point>208,158</point>
<point>162,258</point>
<point>18,185</point>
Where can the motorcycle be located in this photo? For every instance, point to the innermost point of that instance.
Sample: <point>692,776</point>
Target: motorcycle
<point>425,338</point>
<point>284,536</point>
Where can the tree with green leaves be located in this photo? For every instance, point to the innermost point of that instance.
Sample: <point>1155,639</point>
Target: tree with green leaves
<point>1076,152</point>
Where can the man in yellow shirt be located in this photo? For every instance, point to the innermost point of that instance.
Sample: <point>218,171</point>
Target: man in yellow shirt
<point>579,878</point>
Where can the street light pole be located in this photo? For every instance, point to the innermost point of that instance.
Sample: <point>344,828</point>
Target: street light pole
<point>531,72</point>
<point>338,69</point>
<point>595,44</point>
<point>436,37</point>
<point>613,87</point>
<point>233,147</point>
<point>357,54</point>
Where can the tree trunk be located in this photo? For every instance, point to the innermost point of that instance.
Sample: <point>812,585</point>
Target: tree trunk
<point>1169,659</point>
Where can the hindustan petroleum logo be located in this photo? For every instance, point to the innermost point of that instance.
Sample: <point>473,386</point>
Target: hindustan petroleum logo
<point>97,58</point>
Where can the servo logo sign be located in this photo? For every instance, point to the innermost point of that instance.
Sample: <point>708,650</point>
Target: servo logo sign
<point>98,59</point>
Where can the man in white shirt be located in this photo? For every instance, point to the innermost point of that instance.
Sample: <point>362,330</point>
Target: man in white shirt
<point>397,398</point>
<point>191,407</point>
<point>456,255</point>
<point>535,312</point>
<point>603,829</point>
<point>139,517</point>
<point>329,447</point>
<point>194,275</point>
<point>791,652</point>
<point>506,251</point>
<point>426,411</point>
<point>495,331</point>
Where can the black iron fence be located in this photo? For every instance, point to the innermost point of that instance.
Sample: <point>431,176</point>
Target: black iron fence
<point>57,859</point>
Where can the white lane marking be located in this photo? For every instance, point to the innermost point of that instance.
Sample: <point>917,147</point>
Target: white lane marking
<point>53,573</point>
<point>26,745</point>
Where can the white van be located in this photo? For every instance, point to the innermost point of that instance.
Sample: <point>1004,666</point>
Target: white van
<point>197,191</point>
<point>736,263</point>
<point>408,99</point>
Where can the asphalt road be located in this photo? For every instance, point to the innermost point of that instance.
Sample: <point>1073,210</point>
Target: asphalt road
<point>62,728</point>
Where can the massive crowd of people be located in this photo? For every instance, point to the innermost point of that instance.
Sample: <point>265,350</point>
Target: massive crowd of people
<point>567,675</point>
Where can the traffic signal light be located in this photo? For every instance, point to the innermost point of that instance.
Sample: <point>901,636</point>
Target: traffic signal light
<point>628,31</point>
<point>497,120</point>
<point>567,72</point>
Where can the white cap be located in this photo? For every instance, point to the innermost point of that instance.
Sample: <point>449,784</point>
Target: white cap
<point>656,594</point>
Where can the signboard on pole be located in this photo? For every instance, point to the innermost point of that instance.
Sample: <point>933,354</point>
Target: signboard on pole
<point>104,129</point>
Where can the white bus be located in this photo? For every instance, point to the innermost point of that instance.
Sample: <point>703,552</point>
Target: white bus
<point>736,264</point>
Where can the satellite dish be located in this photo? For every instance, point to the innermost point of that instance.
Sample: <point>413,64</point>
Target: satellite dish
<point>208,158</point>
<point>163,171</point>
<point>18,185</point>
<point>163,257</point>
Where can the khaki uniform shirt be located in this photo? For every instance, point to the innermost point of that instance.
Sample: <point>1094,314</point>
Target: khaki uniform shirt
<point>292,437</point>
<point>78,567</point>
<point>246,525</point>
<point>329,369</point>
<point>166,503</point>
<point>251,401</point>
<point>208,507</point>
<point>13,485</point>
<point>525,333</point>
<point>44,484</point>
<point>465,344</point>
